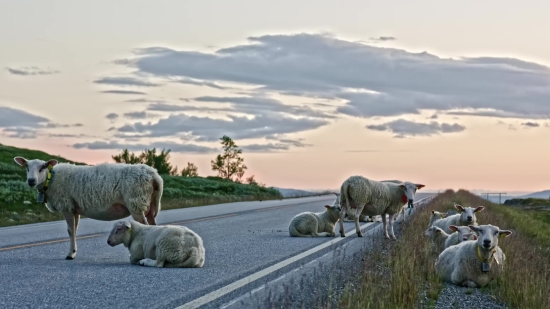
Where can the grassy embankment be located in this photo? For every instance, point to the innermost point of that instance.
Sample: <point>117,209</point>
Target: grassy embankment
<point>401,274</point>
<point>179,192</point>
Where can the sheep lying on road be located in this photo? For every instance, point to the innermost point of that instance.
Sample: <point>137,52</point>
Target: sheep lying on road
<point>436,215</point>
<point>467,216</point>
<point>473,263</point>
<point>168,246</point>
<point>310,224</point>
<point>363,196</point>
<point>103,192</point>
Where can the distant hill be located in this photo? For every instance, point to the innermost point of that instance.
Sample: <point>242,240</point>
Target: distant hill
<point>541,194</point>
<point>285,192</point>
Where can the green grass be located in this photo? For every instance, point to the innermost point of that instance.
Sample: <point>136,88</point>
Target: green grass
<point>179,192</point>
<point>401,274</point>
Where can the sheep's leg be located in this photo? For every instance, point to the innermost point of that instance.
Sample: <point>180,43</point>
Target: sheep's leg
<point>342,214</point>
<point>71,220</point>
<point>357,214</point>
<point>391,219</point>
<point>384,225</point>
<point>140,217</point>
<point>151,263</point>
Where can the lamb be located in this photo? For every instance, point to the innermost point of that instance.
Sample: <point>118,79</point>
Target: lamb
<point>467,216</point>
<point>309,224</point>
<point>168,246</point>
<point>472,263</point>
<point>436,215</point>
<point>103,192</point>
<point>363,196</point>
<point>441,240</point>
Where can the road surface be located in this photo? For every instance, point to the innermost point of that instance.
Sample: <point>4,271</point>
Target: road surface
<point>243,241</point>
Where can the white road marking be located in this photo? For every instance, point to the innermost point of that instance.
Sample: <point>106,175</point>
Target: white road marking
<point>264,272</point>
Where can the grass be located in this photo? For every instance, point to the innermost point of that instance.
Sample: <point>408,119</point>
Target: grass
<point>403,274</point>
<point>179,192</point>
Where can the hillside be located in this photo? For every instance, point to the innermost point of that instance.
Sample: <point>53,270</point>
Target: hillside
<point>540,195</point>
<point>178,191</point>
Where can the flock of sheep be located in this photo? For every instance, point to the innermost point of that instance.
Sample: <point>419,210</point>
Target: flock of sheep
<point>113,191</point>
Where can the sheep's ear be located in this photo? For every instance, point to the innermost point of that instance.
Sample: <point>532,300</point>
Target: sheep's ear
<point>128,224</point>
<point>453,228</point>
<point>504,233</point>
<point>402,186</point>
<point>419,186</point>
<point>327,206</point>
<point>51,162</point>
<point>438,231</point>
<point>459,207</point>
<point>479,208</point>
<point>21,161</point>
<point>433,212</point>
<point>473,228</point>
<point>475,237</point>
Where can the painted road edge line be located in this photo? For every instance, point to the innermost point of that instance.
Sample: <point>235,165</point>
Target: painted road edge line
<point>197,302</point>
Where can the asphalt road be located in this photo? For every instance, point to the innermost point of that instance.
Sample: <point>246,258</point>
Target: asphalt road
<point>241,239</point>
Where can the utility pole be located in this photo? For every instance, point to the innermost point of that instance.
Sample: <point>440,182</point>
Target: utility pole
<point>495,193</point>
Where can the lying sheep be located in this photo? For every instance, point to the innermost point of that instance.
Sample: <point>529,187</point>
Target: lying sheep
<point>460,234</point>
<point>103,192</point>
<point>437,238</point>
<point>436,215</point>
<point>473,263</point>
<point>363,196</point>
<point>309,224</point>
<point>167,246</point>
<point>467,216</point>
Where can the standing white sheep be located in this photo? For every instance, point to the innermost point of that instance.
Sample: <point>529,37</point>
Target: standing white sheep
<point>310,224</point>
<point>167,246</point>
<point>360,195</point>
<point>466,216</point>
<point>103,192</point>
<point>473,263</point>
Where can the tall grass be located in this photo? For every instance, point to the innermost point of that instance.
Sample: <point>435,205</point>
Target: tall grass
<point>403,276</point>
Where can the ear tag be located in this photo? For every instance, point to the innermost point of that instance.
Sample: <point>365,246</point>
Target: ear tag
<point>404,198</point>
<point>485,267</point>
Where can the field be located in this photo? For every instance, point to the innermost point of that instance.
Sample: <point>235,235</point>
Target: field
<point>179,191</point>
<point>401,274</point>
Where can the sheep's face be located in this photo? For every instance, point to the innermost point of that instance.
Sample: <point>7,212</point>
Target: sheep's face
<point>119,233</point>
<point>334,210</point>
<point>37,170</point>
<point>488,235</point>
<point>432,232</point>
<point>464,232</point>
<point>468,214</point>
<point>409,189</point>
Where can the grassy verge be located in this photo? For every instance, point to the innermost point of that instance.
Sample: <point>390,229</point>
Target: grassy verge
<point>403,274</point>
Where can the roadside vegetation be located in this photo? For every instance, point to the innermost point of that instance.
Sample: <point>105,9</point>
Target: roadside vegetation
<point>184,188</point>
<point>401,274</point>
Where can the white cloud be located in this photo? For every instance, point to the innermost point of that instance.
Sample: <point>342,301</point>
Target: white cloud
<point>403,128</point>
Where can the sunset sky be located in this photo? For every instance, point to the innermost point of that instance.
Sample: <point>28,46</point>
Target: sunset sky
<point>447,94</point>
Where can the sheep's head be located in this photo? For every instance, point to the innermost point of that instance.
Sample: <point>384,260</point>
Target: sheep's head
<point>119,233</point>
<point>433,231</point>
<point>464,232</point>
<point>488,235</point>
<point>37,170</point>
<point>468,214</point>
<point>334,210</point>
<point>409,189</point>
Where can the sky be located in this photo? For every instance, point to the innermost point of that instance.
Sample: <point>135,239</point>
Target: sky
<point>447,94</point>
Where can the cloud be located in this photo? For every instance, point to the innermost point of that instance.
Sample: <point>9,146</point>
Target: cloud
<point>123,92</point>
<point>11,117</point>
<point>20,132</point>
<point>111,116</point>
<point>191,81</point>
<point>530,124</point>
<point>25,71</point>
<point>175,147</point>
<point>125,81</point>
<point>210,129</point>
<point>139,115</point>
<point>384,38</point>
<point>370,81</point>
<point>403,128</point>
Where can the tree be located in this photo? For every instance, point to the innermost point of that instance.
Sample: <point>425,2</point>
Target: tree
<point>251,181</point>
<point>190,170</point>
<point>148,157</point>
<point>229,163</point>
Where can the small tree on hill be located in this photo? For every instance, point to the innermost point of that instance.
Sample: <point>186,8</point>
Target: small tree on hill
<point>190,171</point>
<point>148,157</point>
<point>251,181</point>
<point>230,163</point>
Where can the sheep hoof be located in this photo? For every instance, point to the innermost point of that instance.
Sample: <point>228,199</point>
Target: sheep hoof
<point>342,235</point>
<point>69,257</point>
<point>359,234</point>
